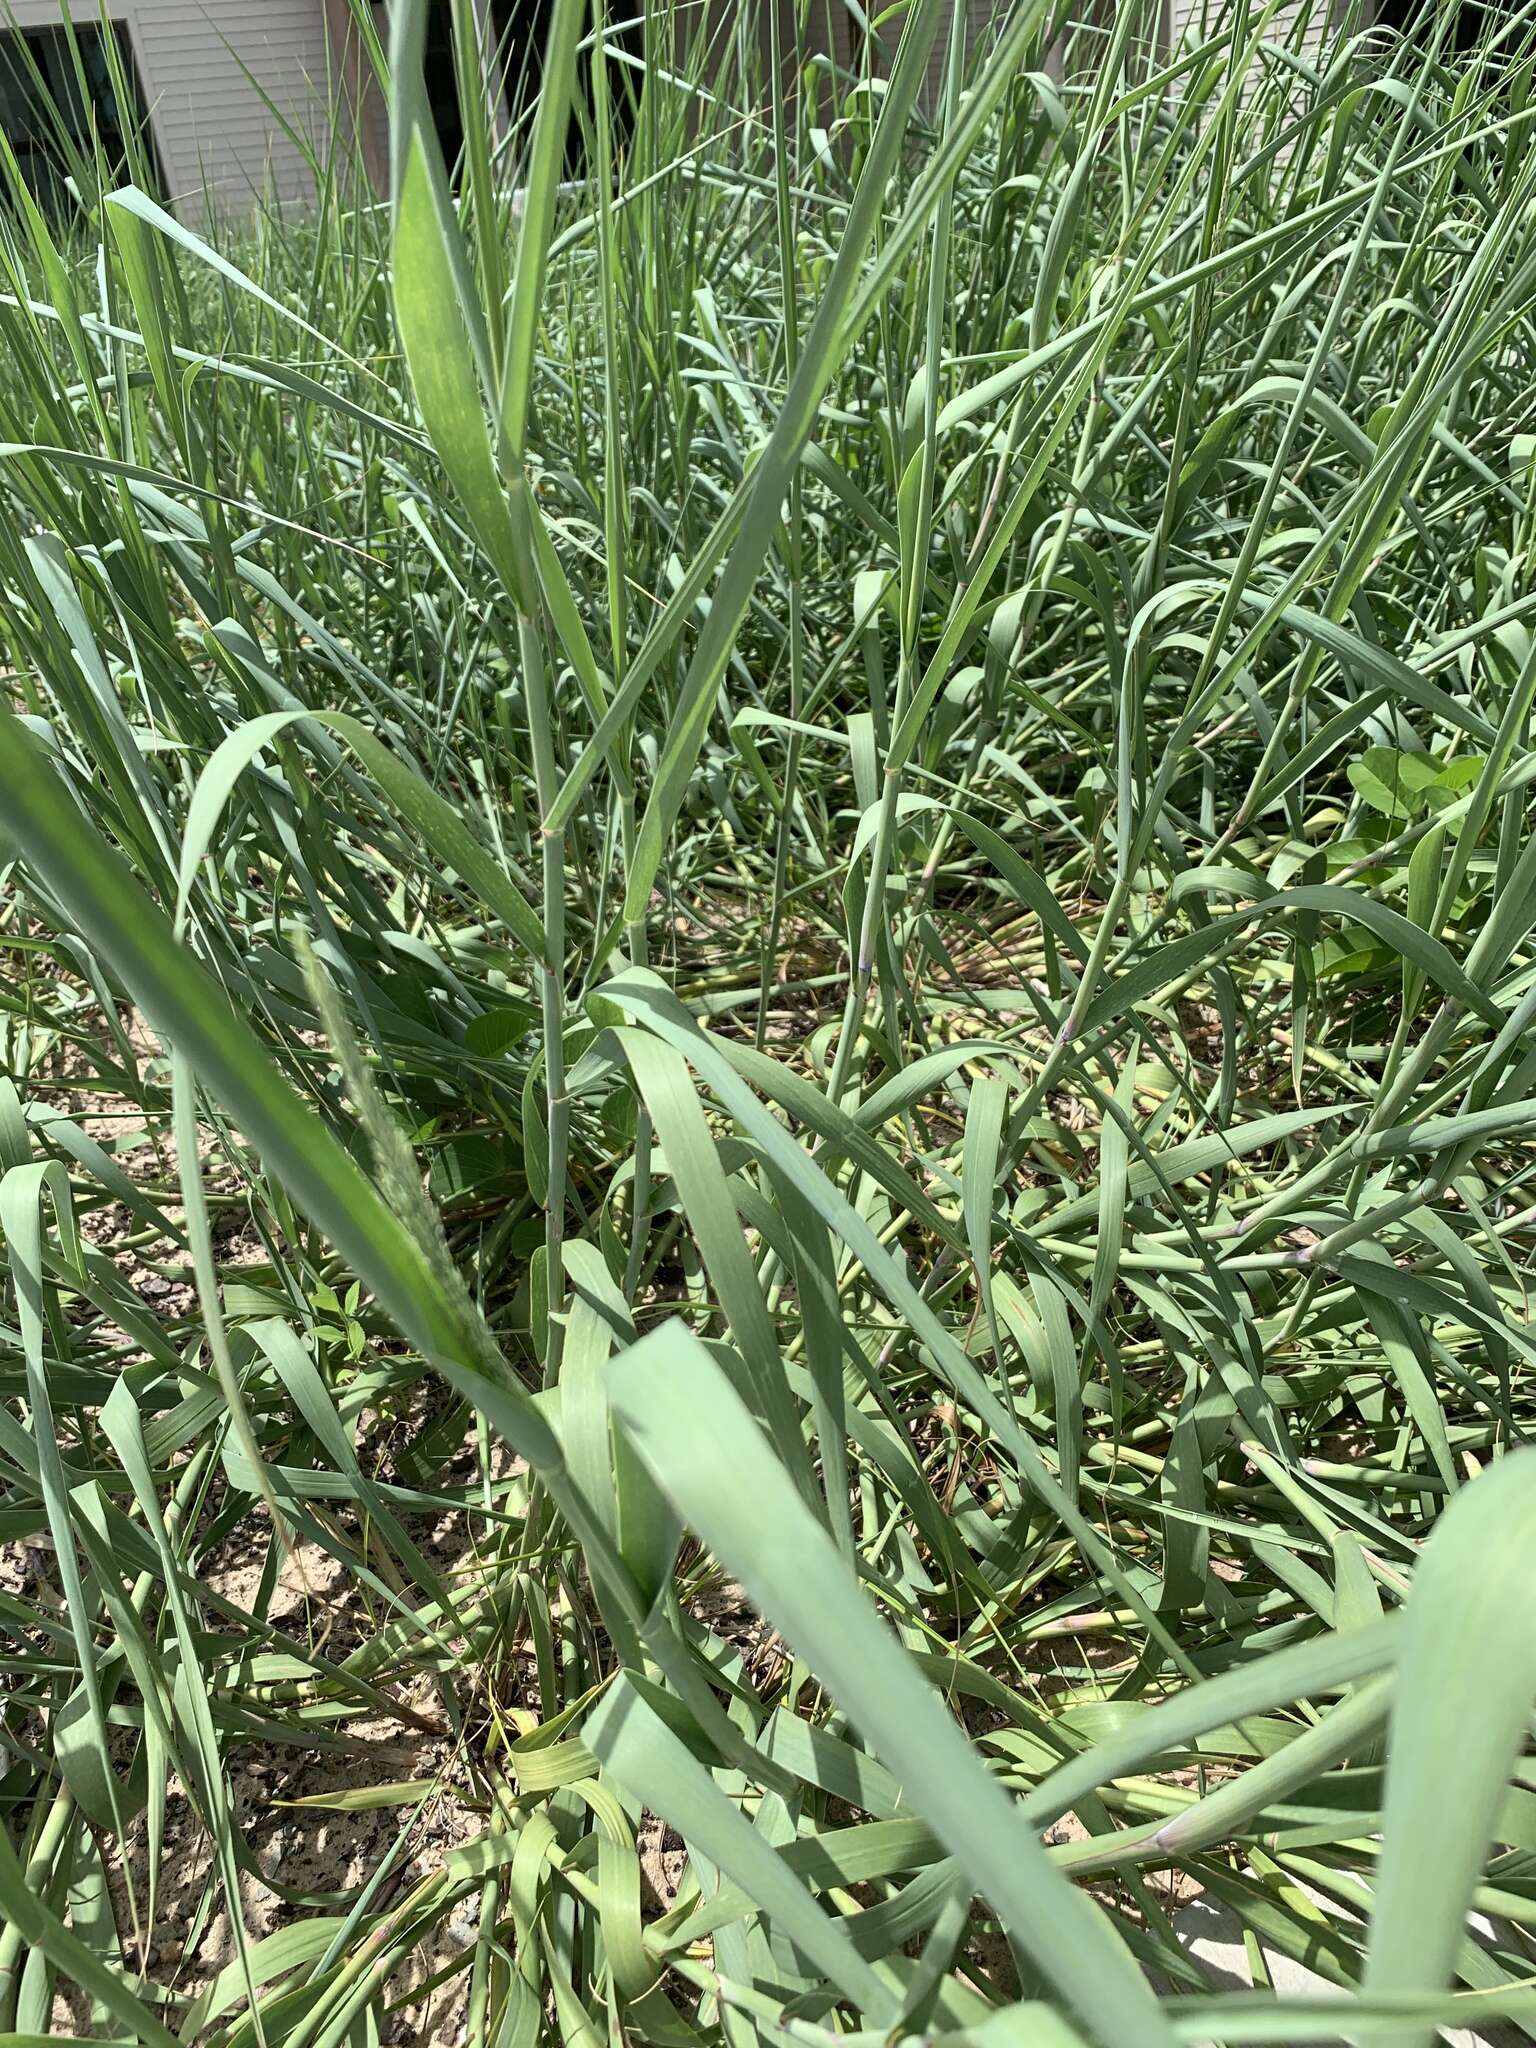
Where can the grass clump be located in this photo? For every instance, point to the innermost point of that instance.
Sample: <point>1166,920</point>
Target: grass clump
<point>766,987</point>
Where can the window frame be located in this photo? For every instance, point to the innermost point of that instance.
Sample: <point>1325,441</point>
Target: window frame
<point>32,25</point>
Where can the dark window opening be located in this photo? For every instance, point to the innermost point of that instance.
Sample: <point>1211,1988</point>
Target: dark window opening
<point>442,84</point>
<point>521,27</point>
<point>1420,18</point>
<point>514,63</point>
<point>65,96</point>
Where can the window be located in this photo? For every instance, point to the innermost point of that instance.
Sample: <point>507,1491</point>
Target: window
<point>521,26</point>
<point>513,33</point>
<point>1420,19</point>
<point>442,83</point>
<point>61,99</point>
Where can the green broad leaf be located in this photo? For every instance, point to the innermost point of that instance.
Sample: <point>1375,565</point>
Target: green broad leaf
<point>463,1166</point>
<point>435,336</point>
<point>1383,778</point>
<point>1467,1655</point>
<point>709,1457</point>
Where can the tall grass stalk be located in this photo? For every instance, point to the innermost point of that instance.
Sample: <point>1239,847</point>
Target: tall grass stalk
<point>766,980</point>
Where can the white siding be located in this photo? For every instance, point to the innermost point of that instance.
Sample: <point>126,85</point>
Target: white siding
<point>204,66</point>
<point>1301,24</point>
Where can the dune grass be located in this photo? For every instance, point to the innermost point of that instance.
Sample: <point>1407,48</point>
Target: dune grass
<point>767,982</point>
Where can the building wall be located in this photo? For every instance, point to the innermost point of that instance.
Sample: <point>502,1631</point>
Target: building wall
<point>981,17</point>
<point>208,69</point>
<point>204,66</point>
<point>1300,24</point>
